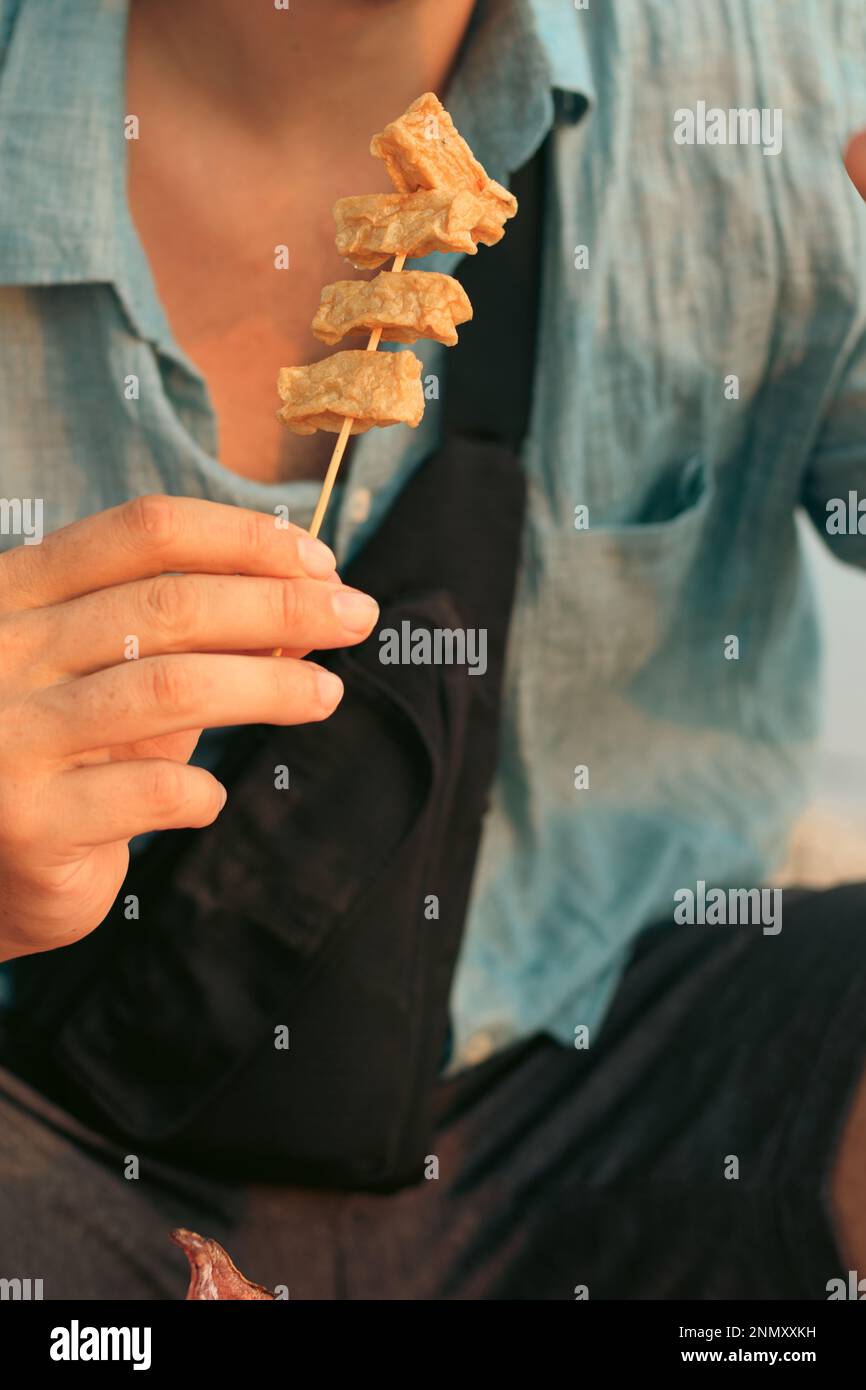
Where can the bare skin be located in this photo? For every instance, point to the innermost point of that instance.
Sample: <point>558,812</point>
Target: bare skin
<point>849,1177</point>
<point>849,1186</point>
<point>253,122</point>
<point>855,162</point>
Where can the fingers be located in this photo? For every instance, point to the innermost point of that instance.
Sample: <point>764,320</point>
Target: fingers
<point>116,801</point>
<point>197,613</point>
<point>168,694</point>
<point>855,162</point>
<point>154,535</point>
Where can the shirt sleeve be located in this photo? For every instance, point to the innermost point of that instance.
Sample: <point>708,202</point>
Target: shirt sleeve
<point>834,491</point>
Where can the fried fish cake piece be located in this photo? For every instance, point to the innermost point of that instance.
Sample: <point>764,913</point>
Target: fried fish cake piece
<point>212,1274</point>
<point>424,149</point>
<point>373,388</point>
<point>373,227</point>
<point>406,306</point>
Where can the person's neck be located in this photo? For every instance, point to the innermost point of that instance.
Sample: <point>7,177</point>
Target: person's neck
<point>321,62</point>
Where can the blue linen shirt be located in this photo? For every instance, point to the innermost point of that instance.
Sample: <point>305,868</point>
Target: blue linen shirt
<point>701,373</point>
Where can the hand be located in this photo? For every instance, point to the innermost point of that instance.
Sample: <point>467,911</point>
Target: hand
<point>855,162</point>
<point>94,745</point>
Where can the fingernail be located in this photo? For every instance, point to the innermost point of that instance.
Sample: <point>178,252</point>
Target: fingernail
<point>318,561</point>
<point>224,794</point>
<point>330,689</point>
<point>356,611</point>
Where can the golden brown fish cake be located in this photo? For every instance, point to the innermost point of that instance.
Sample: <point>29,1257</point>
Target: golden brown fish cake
<point>424,149</point>
<point>406,306</point>
<point>373,227</point>
<point>373,388</point>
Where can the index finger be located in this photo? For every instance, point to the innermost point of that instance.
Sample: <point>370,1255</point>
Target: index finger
<point>154,535</point>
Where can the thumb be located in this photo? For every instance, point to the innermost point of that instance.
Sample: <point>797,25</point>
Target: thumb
<point>855,162</point>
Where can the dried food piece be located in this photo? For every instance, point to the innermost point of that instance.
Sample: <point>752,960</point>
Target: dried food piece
<point>424,149</point>
<point>211,1273</point>
<point>406,306</point>
<point>370,388</point>
<point>373,227</point>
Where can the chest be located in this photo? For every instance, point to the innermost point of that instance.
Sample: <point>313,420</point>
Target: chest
<point>239,261</point>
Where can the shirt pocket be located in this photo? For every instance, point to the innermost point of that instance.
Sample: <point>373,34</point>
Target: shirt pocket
<point>599,604</point>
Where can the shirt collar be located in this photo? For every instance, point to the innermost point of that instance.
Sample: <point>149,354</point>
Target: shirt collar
<point>61,142</point>
<point>63,213</point>
<point>524,66</point>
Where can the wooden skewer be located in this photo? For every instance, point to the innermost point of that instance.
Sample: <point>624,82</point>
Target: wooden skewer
<point>343,436</point>
<point>340,446</point>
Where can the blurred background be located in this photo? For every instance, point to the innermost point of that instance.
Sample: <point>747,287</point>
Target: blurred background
<point>830,840</point>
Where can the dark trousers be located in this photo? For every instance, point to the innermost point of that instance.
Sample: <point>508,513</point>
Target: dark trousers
<point>685,1153</point>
